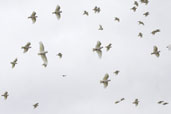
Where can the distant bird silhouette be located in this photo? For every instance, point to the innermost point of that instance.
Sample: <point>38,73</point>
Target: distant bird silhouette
<point>108,47</point>
<point>97,9</point>
<point>155,52</point>
<point>122,99</point>
<point>146,14</point>
<point>160,102</point>
<point>60,55</point>
<point>14,62</point>
<point>117,19</point>
<point>43,53</point>
<point>169,47</point>
<point>136,3</point>
<point>57,12</point>
<point>98,49</point>
<point>140,23</point>
<point>26,47</point>
<point>144,1</point>
<point>33,17</point>
<point>100,27</point>
<point>105,80</point>
<point>134,9</point>
<point>5,95</point>
<point>116,72</point>
<point>64,75</point>
<point>140,35</point>
<point>155,31</point>
<point>85,13</point>
<point>136,102</point>
<point>36,105</point>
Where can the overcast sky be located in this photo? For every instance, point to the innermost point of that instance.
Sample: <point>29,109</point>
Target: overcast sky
<point>142,75</point>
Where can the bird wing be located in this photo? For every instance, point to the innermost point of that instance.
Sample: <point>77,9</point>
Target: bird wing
<point>15,60</point>
<point>33,14</point>
<point>33,19</point>
<point>105,84</point>
<point>28,44</point>
<point>155,49</point>
<point>98,44</point>
<point>99,53</point>
<point>44,58</point>
<point>106,76</point>
<point>57,8</point>
<point>41,46</point>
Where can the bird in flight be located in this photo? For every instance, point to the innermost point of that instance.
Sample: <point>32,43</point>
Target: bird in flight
<point>146,14</point>
<point>64,75</point>
<point>14,62</point>
<point>140,35</point>
<point>97,9</point>
<point>136,3</point>
<point>134,9</point>
<point>35,105</point>
<point>116,72</point>
<point>144,1</point>
<point>155,52</point>
<point>105,80</point>
<point>165,103</point>
<point>160,102</point>
<point>155,31</point>
<point>136,102</point>
<point>5,95</point>
<point>85,13</point>
<point>60,55</point>
<point>122,99</point>
<point>117,19</point>
<point>57,12</point>
<point>43,53</point>
<point>100,27</point>
<point>26,47</point>
<point>33,17</point>
<point>108,47</point>
<point>98,49</point>
<point>140,23</point>
<point>117,102</point>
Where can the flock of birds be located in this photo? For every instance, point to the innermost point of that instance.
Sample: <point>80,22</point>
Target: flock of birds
<point>98,48</point>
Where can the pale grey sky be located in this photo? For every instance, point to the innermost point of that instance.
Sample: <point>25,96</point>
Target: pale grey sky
<point>141,75</point>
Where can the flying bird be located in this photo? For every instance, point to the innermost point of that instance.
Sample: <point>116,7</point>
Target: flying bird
<point>33,17</point>
<point>64,75</point>
<point>160,102</point>
<point>117,102</point>
<point>136,102</point>
<point>134,9</point>
<point>60,55</point>
<point>43,53</point>
<point>85,13</point>
<point>105,80</point>
<point>169,47</point>
<point>57,12</point>
<point>116,72</point>
<point>26,47</point>
<point>108,47</point>
<point>100,27</point>
<point>14,62</point>
<point>5,95</point>
<point>36,105</point>
<point>144,1</point>
<point>155,31</point>
<point>122,99</point>
<point>140,23</point>
<point>117,19</point>
<point>155,52</point>
<point>98,49</point>
<point>136,3</point>
<point>140,35</point>
<point>97,9</point>
<point>146,14</point>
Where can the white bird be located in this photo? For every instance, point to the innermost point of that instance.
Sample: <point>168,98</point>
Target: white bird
<point>98,49</point>
<point>42,53</point>
<point>57,12</point>
<point>105,80</point>
<point>14,63</point>
<point>169,47</point>
<point>33,17</point>
<point>155,51</point>
<point>26,47</point>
